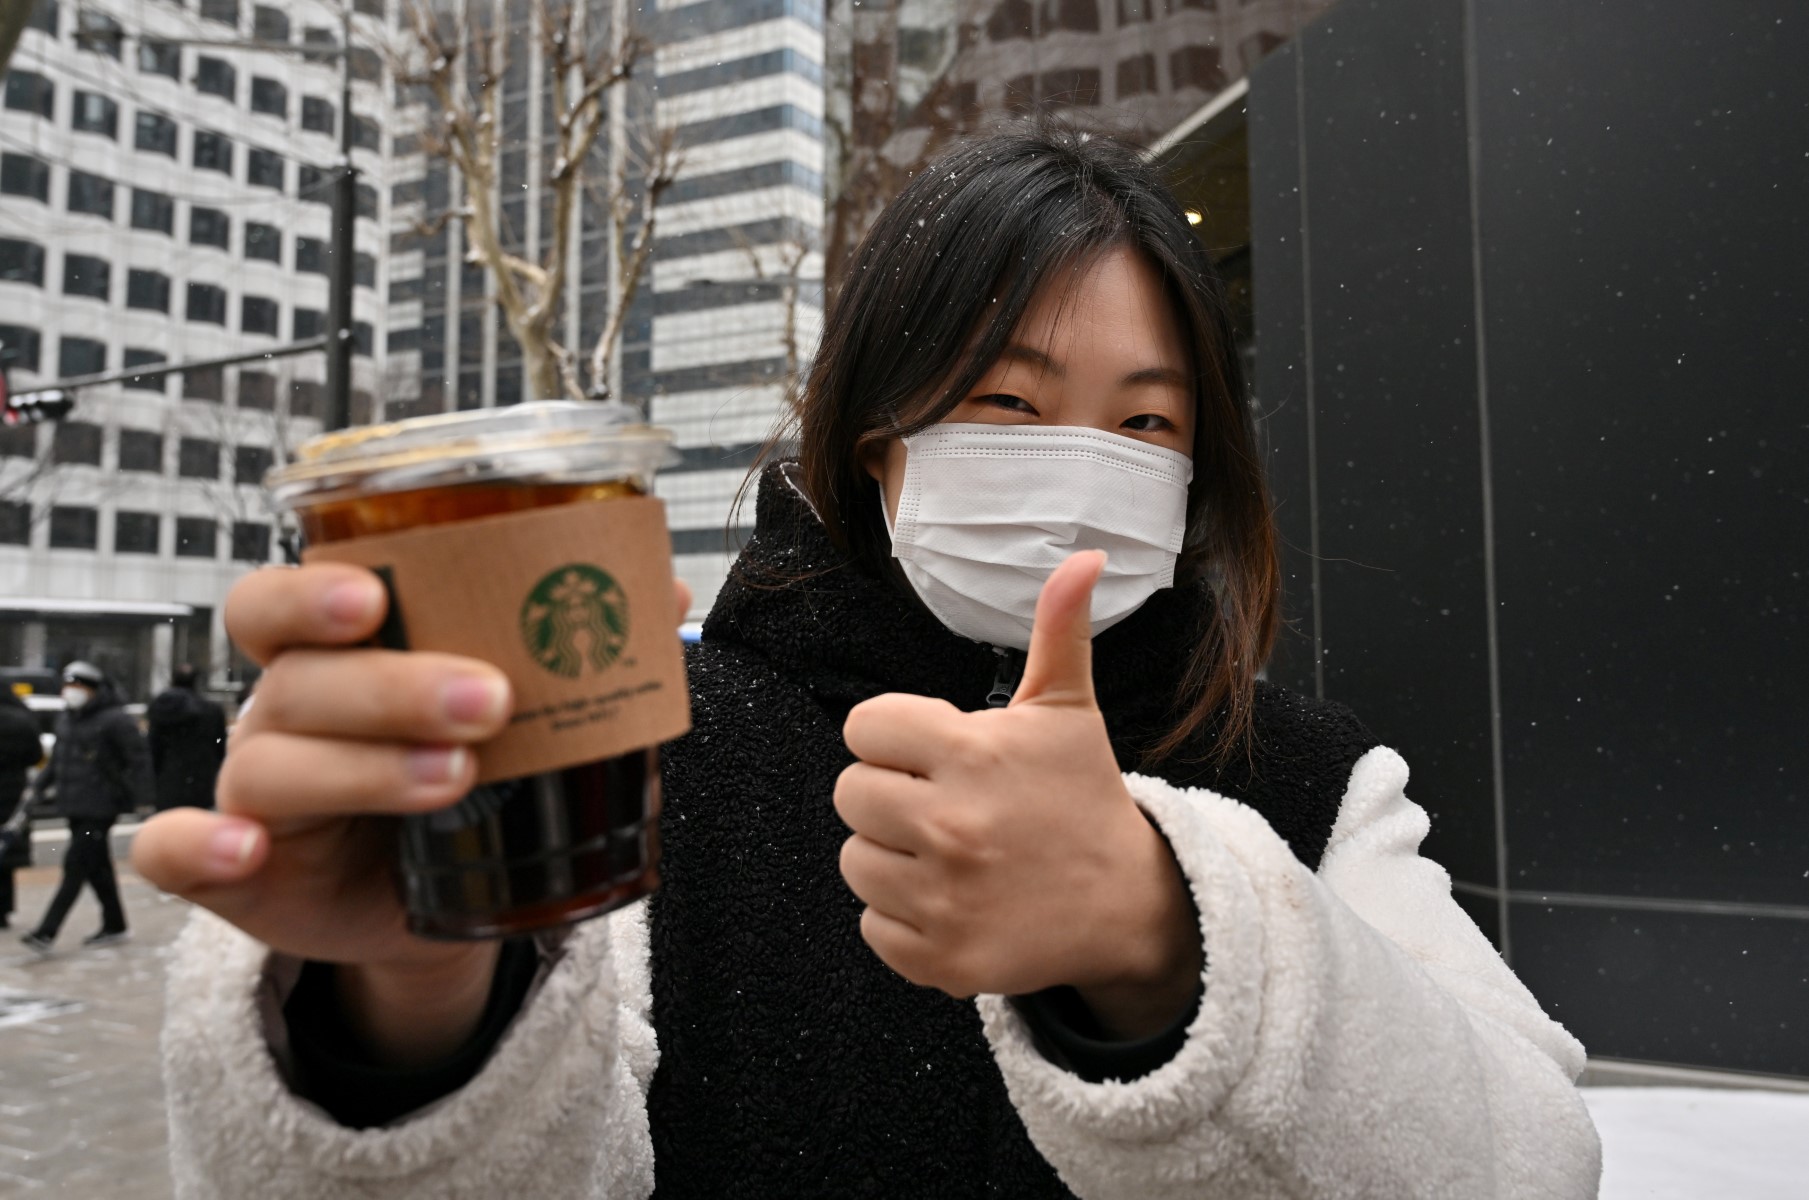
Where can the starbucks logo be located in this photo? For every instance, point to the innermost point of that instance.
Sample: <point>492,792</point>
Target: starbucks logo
<point>576,615</point>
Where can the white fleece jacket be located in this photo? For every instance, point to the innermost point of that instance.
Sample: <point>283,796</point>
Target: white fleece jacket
<point>1358,1038</point>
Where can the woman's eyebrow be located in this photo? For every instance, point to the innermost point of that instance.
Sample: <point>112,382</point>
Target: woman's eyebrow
<point>1166,375</point>
<point>1019,352</point>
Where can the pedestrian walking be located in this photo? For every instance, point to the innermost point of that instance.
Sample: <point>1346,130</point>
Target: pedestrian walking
<point>188,740</point>
<point>20,751</point>
<point>990,866</point>
<point>99,768</point>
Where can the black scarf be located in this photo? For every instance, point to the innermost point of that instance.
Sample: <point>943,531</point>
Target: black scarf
<point>792,1061</point>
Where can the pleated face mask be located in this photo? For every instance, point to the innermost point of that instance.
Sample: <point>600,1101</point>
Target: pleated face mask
<point>989,511</point>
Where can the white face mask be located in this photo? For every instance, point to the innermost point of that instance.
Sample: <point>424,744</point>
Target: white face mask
<point>989,511</point>
<point>75,697</point>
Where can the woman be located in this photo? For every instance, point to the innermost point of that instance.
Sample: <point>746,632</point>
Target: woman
<point>1208,959</point>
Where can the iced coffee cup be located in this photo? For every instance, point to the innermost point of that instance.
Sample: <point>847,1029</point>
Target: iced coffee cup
<point>527,537</point>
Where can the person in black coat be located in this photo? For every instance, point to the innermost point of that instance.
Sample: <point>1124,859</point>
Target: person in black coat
<point>100,768</point>
<point>20,750</point>
<point>188,740</point>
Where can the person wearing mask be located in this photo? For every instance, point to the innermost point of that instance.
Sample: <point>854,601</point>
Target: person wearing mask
<point>20,751</point>
<point>98,769</point>
<point>990,867</point>
<point>188,740</point>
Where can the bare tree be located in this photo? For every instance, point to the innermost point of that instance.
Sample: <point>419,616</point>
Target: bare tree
<point>460,56</point>
<point>785,265</point>
<point>656,157</point>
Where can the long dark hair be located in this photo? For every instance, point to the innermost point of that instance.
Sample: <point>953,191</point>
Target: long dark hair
<point>931,297</point>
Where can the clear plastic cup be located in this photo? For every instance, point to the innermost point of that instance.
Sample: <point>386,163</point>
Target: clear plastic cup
<point>547,848</point>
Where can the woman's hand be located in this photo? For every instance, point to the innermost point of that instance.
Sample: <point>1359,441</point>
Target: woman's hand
<point>340,734</point>
<point>1001,852</point>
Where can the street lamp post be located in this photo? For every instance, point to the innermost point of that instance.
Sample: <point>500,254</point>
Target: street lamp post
<point>340,340</point>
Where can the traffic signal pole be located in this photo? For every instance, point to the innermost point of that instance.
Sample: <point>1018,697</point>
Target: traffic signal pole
<point>340,340</point>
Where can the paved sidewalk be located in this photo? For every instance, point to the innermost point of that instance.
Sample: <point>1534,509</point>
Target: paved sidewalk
<point>81,1100</point>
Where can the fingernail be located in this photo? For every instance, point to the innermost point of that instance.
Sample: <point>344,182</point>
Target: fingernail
<point>353,602</point>
<point>474,699</point>
<point>230,846</point>
<point>436,764</point>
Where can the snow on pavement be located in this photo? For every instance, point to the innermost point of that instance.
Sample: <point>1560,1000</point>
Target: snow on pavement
<point>1701,1144</point>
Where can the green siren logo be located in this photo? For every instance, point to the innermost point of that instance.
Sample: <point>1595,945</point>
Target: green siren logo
<point>576,614</point>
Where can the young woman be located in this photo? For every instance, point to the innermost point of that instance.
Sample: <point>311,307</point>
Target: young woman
<point>944,748</point>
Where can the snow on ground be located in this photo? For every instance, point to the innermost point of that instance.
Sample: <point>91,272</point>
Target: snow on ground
<point>1701,1144</point>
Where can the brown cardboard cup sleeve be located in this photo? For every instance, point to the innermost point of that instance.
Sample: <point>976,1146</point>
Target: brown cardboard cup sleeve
<point>573,603</point>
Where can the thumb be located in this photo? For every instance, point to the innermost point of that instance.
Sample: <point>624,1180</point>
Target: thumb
<point>1059,669</point>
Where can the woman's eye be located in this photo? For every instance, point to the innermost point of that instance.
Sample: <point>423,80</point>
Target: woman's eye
<point>1149,423</point>
<point>1009,403</point>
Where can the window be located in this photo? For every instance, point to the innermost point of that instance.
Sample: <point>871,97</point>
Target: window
<point>23,343</point>
<point>195,537</point>
<point>406,192</point>
<point>95,113</point>
<point>365,134</point>
<point>154,211</point>
<point>23,175</point>
<point>90,194</point>
<point>257,390</point>
<point>364,269</point>
<point>148,289</point>
<point>367,200</point>
<point>264,168</point>
<point>250,541</point>
<point>250,462</point>
<point>307,398</point>
<point>21,262</point>
<point>207,384</point>
<point>209,227</point>
<point>312,183</point>
<point>224,11</point>
<point>141,450</point>
<point>1197,67</point>
<point>401,290</point>
<point>154,133</point>
<point>311,255</point>
<point>80,356</point>
<point>73,528</point>
<point>269,96</point>
<point>206,303</point>
<point>136,532</point>
<point>258,314</point>
<point>15,519</point>
<point>370,8</point>
<point>76,442</point>
<point>98,33</point>
<point>213,152</point>
<point>216,77</point>
<point>316,35</point>
<point>27,91</point>
<point>307,323</point>
<point>160,58</point>
<point>367,64</point>
<point>43,17</point>
<point>317,115</point>
<point>198,458</point>
<point>363,338</point>
<point>87,276</point>
<point>269,24</point>
<point>263,241</point>
<point>1074,86</point>
<point>1132,11</point>
<point>137,357</point>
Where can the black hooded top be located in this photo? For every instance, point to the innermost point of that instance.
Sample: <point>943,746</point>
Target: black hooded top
<point>100,766</point>
<point>188,742</point>
<point>792,1061</point>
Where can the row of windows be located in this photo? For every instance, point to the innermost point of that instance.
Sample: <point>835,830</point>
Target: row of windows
<point>77,356</point>
<point>1022,19</point>
<point>29,176</point>
<point>1080,87</point>
<point>91,112</point>
<point>74,527</point>
<point>78,443</point>
<point>23,261</point>
<point>101,34</point>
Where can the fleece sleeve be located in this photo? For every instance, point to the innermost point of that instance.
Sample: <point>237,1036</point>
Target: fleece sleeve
<point>1358,1036</point>
<point>558,1110</point>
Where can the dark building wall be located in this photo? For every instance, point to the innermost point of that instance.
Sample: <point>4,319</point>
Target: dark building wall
<point>1531,324</point>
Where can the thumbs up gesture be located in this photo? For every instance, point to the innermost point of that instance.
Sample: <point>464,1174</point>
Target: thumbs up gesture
<point>1000,851</point>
